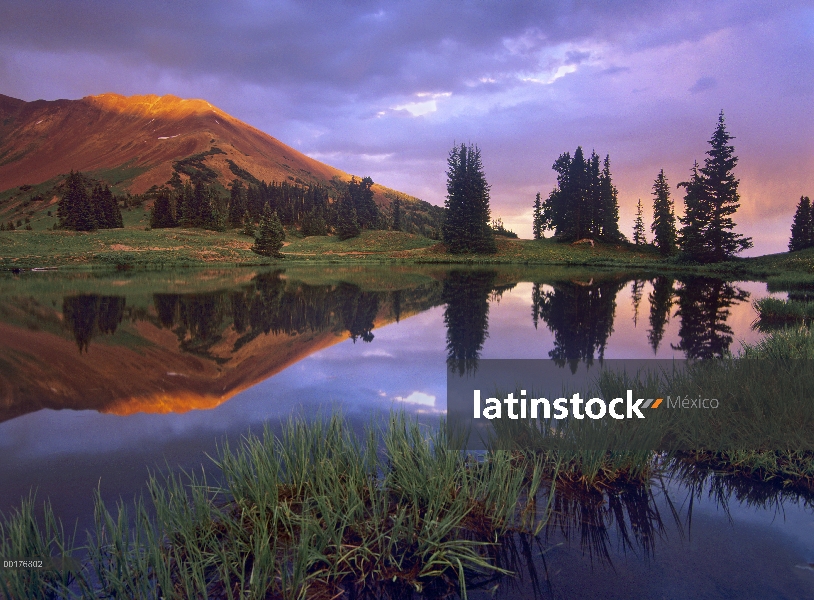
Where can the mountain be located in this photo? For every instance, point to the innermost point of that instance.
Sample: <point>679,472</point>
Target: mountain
<point>133,143</point>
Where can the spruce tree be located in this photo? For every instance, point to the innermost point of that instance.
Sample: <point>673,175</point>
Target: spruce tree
<point>664,219</point>
<point>75,210</point>
<point>347,225</point>
<point>467,215</point>
<point>237,203</point>
<point>270,238</point>
<point>608,214</point>
<point>361,192</point>
<point>162,216</point>
<point>802,230</point>
<point>537,223</point>
<point>713,200</point>
<point>696,216</point>
<point>638,226</point>
<point>584,203</point>
<point>248,224</point>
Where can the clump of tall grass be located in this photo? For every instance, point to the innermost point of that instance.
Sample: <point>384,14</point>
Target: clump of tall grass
<point>316,512</point>
<point>773,310</point>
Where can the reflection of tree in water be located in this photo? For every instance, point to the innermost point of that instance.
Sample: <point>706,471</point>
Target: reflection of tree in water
<point>466,294</point>
<point>703,305</point>
<point>661,300</point>
<point>272,304</point>
<point>636,292</point>
<point>580,315</point>
<point>88,313</point>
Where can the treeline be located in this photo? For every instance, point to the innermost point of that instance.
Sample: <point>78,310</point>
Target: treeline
<point>87,206</point>
<point>342,208</point>
<point>584,205</point>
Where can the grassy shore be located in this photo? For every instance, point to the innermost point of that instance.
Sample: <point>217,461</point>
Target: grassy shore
<point>140,248</point>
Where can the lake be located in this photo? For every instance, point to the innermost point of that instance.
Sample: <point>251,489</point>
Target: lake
<point>106,376</point>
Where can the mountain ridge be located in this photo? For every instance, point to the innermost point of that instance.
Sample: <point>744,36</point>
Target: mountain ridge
<point>139,138</point>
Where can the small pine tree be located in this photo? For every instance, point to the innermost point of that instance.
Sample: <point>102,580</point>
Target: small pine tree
<point>664,219</point>
<point>638,226</point>
<point>347,225</point>
<point>270,238</point>
<point>248,224</point>
<point>802,230</point>
<point>537,223</point>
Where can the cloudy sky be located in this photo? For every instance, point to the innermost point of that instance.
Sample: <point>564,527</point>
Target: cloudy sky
<point>385,88</point>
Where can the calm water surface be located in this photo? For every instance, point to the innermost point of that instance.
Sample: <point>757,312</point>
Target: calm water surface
<point>105,377</point>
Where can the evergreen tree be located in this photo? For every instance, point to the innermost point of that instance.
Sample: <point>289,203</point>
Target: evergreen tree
<point>608,213</point>
<point>161,216</point>
<point>75,210</point>
<point>313,223</point>
<point>696,216</point>
<point>466,223</point>
<point>584,203</point>
<point>184,204</point>
<point>270,238</point>
<point>802,230</point>
<point>537,223</point>
<point>713,199</point>
<point>664,219</point>
<point>638,226</point>
<point>175,181</point>
<point>347,225</point>
<point>361,192</point>
<point>237,203</point>
<point>396,215</point>
<point>248,224</point>
<point>105,208</point>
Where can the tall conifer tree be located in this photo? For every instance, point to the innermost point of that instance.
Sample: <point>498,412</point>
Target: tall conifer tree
<point>713,199</point>
<point>347,224</point>
<point>537,224</point>
<point>664,219</point>
<point>466,223</point>
<point>638,226</point>
<point>802,230</point>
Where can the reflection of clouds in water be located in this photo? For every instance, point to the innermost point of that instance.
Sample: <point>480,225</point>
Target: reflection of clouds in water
<point>417,398</point>
<point>377,352</point>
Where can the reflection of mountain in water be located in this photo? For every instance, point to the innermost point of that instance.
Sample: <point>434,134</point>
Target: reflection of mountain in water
<point>176,351</point>
<point>580,315</point>
<point>185,350</point>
